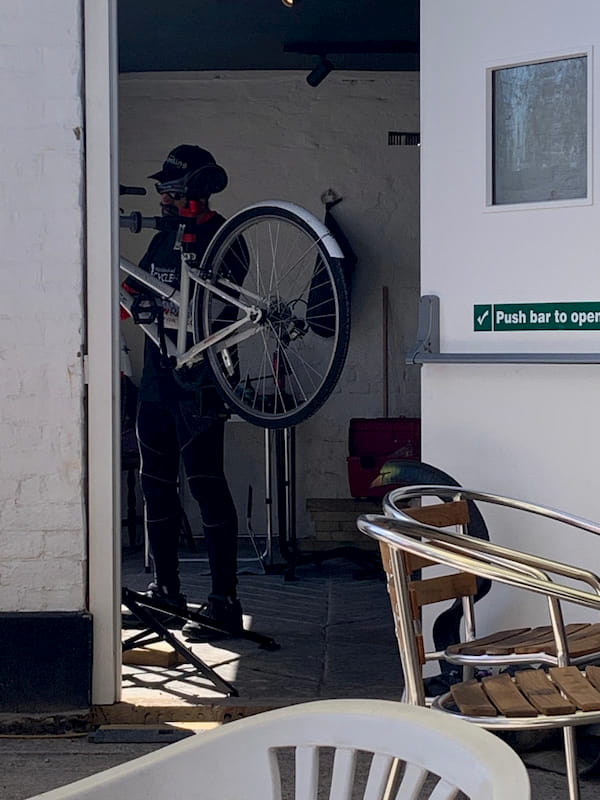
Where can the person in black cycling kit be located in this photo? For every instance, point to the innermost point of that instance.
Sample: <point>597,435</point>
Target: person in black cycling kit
<point>174,420</point>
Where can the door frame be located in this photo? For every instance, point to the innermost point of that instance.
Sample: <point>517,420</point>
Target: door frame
<point>102,321</point>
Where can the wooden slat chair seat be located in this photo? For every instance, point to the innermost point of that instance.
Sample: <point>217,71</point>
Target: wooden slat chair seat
<point>556,694</point>
<point>561,690</point>
<point>529,644</point>
<point>583,639</point>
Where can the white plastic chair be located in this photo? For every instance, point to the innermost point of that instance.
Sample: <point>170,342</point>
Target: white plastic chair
<point>241,760</point>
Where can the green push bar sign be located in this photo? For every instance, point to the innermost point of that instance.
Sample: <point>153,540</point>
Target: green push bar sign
<point>536,317</point>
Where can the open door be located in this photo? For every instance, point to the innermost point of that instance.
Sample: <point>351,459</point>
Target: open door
<point>104,513</point>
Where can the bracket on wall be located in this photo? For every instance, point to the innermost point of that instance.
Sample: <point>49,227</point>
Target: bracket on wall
<point>427,346</point>
<point>428,330</point>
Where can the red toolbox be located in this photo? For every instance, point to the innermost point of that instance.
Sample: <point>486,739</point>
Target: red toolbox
<point>372,442</point>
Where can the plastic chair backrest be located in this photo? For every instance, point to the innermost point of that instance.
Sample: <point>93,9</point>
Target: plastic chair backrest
<point>241,761</point>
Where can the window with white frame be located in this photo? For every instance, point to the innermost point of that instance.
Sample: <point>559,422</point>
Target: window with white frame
<point>540,131</point>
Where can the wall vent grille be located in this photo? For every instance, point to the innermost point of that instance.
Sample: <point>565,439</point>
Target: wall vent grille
<point>402,138</point>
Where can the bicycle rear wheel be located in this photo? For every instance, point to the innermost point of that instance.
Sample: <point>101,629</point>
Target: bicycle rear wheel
<point>286,264</point>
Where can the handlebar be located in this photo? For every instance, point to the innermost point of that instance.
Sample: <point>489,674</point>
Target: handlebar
<point>131,189</point>
<point>135,222</point>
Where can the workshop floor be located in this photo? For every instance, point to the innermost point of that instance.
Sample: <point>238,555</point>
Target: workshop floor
<point>332,624</point>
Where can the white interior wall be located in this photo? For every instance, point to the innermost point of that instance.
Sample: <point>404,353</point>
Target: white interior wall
<point>278,138</point>
<point>42,537</point>
<point>526,431</point>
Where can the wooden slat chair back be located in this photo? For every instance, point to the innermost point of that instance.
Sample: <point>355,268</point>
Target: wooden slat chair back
<point>323,750</point>
<point>562,696</point>
<point>429,590</point>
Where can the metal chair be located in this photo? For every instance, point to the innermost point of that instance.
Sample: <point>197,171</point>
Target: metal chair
<point>557,696</point>
<point>517,646</point>
<point>280,754</point>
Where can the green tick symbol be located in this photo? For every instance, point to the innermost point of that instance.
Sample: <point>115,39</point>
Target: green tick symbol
<point>483,318</point>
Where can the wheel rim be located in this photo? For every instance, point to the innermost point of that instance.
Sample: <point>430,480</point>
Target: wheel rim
<point>280,370</point>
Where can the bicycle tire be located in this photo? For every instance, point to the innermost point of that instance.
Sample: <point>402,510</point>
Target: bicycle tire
<point>290,266</point>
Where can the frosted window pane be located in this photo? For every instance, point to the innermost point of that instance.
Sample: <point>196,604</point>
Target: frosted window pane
<point>540,131</point>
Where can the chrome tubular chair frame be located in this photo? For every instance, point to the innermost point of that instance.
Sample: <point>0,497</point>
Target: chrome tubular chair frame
<point>404,535</point>
<point>392,507</point>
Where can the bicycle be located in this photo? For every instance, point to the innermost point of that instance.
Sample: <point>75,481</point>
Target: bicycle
<point>267,308</point>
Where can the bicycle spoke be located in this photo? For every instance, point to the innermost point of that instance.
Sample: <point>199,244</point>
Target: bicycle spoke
<point>233,252</point>
<point>282,350</point>
<point>259,277</point>
<point>309,368</point>
<point>273,254</point>
<point>293,241</point>
<point>295,264</point>
<point>276,381</point>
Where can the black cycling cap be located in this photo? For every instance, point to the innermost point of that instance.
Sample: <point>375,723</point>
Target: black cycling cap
<point>182,159</point>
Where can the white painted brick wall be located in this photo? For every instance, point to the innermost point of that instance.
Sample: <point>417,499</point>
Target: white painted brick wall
<point>279,138</point>
<point>42,541</point>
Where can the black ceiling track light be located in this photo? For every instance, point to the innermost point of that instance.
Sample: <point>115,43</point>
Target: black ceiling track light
<point>324,48</point>
<point>320,72</point>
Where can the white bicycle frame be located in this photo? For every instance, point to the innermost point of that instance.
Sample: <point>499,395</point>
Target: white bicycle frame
<point>246,326</point>
<point>181,298</point>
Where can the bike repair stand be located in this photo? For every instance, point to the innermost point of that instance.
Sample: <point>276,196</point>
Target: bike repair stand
<point>142,607</point>
<point>283,491</point>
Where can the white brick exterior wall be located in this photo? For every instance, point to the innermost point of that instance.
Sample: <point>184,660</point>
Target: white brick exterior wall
<point>42,541</point>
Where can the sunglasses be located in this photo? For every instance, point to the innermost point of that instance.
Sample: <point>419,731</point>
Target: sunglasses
<point>172,195</point>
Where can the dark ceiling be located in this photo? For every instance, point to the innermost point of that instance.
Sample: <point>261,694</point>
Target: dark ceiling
<point>158,35</point>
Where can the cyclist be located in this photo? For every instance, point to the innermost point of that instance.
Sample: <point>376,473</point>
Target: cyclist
<point>175,420</point>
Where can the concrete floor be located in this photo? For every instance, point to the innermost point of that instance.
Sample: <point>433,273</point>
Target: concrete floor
<point>334,632</point>
<point>334,628</point>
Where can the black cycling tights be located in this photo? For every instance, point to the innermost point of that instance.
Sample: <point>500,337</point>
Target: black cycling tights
<point>162,436</point>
